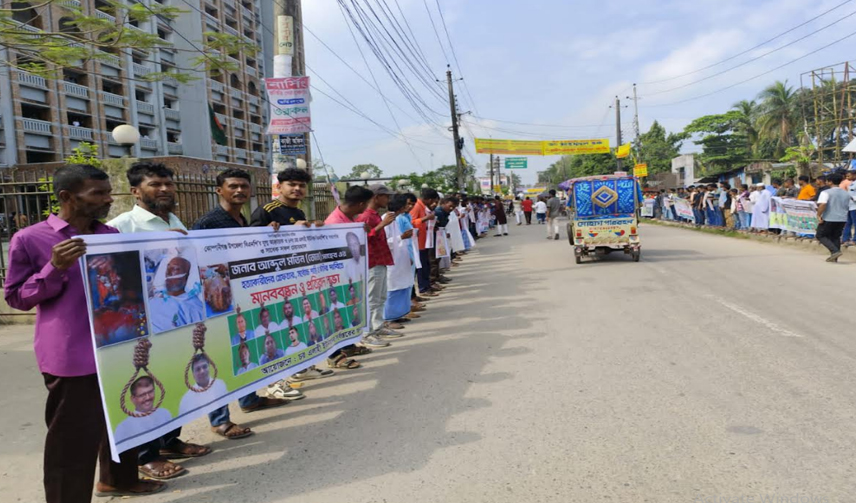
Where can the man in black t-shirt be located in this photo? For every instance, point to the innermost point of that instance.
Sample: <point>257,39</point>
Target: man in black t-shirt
<point>293,184</point>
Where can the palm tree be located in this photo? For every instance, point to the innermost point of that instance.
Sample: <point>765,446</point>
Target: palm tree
<point>778,115</point>
<point>747,121</point>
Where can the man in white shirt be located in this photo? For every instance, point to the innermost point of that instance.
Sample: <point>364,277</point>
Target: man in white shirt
<point>244,355</point>
<point>143,398</point>
<point>201,394</point>
<point>265,325</point>
<point>153,187</point>
<point>541,211</point>
<point>289,318</point>
<point>295,346</point>
<point>334,299</point>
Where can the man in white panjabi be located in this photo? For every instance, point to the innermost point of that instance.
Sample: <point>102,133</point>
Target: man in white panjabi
<point>761,209</point>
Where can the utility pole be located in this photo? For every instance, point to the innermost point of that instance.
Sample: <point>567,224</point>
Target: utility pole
<point>499,173</point>
<point>636,122</point>
<point>455,130</point>
<point>491,173</point>
<point>618,127</point>
<point>289,60</point>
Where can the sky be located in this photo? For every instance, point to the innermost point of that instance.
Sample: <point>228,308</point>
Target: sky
<point>555,63</point>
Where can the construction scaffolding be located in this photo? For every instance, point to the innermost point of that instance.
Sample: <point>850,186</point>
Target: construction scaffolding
<point>827,110</point>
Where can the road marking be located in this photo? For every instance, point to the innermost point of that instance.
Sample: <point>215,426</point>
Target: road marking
<point>756,318</point>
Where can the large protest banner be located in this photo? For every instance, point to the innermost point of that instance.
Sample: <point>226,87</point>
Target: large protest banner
<point>793,215</point>
<point>182,325</point>
<point>546,147</point>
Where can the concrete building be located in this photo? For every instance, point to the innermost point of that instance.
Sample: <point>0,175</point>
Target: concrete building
<point>42,120</point>
<point>683,167</point>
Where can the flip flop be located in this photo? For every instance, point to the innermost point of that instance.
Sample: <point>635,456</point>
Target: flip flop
<point>180,451</point>
<point>156,487</point>
<point>224,431</point>
<point>151,470</point>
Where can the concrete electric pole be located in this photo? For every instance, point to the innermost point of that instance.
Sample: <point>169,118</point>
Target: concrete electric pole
<point>457,138</point>
<point>618,127</point>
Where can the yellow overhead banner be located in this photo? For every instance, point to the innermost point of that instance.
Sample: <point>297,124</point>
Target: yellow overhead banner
<point>549,147</point>
<point>491,146</point>
<point>640,170</point>
<point>623,151</point>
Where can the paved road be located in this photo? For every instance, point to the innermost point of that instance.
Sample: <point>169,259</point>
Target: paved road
<point>714,368</point>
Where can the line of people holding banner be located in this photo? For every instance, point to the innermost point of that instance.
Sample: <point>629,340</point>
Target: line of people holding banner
<point>801,209</point>
<point>410,250</point>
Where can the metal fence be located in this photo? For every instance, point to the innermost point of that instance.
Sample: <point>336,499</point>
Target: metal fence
<point>26,198</point>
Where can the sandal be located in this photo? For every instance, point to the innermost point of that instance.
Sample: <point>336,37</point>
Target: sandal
<point>265,402</point>
<point>141,488</point>
<point>231,431</point>
<point>181,450</point>
<point>343,362</point>
<point>356,351</point>
<point>161,469</point>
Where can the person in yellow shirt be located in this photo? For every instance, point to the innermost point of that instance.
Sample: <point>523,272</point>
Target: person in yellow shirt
<point>807,192</point>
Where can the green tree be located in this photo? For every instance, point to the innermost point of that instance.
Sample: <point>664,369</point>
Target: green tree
<point>41,45</point>
<point>358,170</point>
<point>778,115</point>
<point>658,148</point>
<point>724,146</point>
<point>747,123</point>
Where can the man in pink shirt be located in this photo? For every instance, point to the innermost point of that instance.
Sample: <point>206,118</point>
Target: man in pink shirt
<point>354,202</point>
<point>44,274</point>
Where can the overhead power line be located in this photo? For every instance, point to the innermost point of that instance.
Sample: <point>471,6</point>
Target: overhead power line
<point>756,76</point>
<point>751,48</point>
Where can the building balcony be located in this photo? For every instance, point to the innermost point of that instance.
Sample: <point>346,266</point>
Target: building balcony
<point>236,93</point>
<point>171,114</point>
<point>212,19</point>
<point>255,128</point>
<point>70,3</point>
<point>230,30</point>
<point>112,99</point>
<point>80,133</point>
<point>230,3</point>
<point>77,90</point>
<point>239,124</point>
<point>254,100</point>
<point>104,15</point>
<point>174,148</point>
<point>258,156</point>
<point>141,70</point>
<point>31,80</point>
<point>252,72</point>
<point>145,107</point>
<point>109,59</point>
<point>241,153</point>
<point>221,150</point>
<point>222,118</point>
<point>36,126</point>
<point>216,86</point>
<point>148,144</point>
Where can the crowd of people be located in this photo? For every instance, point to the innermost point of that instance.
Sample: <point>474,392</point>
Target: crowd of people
<point>413,243</point>
<point>547,208</point>
<point>746,208</point>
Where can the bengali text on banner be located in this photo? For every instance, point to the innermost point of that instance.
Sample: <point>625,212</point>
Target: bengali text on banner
<point>182,325</point>
<point>548,147</point>
<point>289,105</point>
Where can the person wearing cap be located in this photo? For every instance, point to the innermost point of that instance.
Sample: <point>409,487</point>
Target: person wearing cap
<point>380,258</point>
<point>761,209</point>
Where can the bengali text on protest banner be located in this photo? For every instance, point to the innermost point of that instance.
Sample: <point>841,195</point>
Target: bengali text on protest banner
<point>793,215</point>
<point>289,105</point>
<point>648,208</point>
<point>182,325</point>
<point>548,147</point>
<point>520,147</point>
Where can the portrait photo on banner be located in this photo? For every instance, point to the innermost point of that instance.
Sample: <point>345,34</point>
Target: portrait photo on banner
<point>174,288</point>
<point>354,266</point>
<point>217,289</point>
<point>115,283</point>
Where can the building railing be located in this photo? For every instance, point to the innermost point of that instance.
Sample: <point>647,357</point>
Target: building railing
<point>145,107</point>
<point>171,114</point>
<point>79,133</point>
<point>140,70</point>
<point>104,15</point>
<point>239,124</point>
<point>253,99</point>
<point>231,31</point>
<point>148,143</point>
<point>221,149</point>
<point>36,126</point>
<point>109,59</point>
<point>30,79</point>
<point>255,128</point>
<point>252,71</point>
<point>236,93</point>
<point>70,3</point>
<point>217,86</point>
<point>222,118</point>
<point>173,148</point>
<point>241,153</point>
<point>113,99</point>
<point>73,89</point>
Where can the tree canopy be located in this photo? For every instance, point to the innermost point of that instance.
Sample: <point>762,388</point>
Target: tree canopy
<point>358,170</point>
